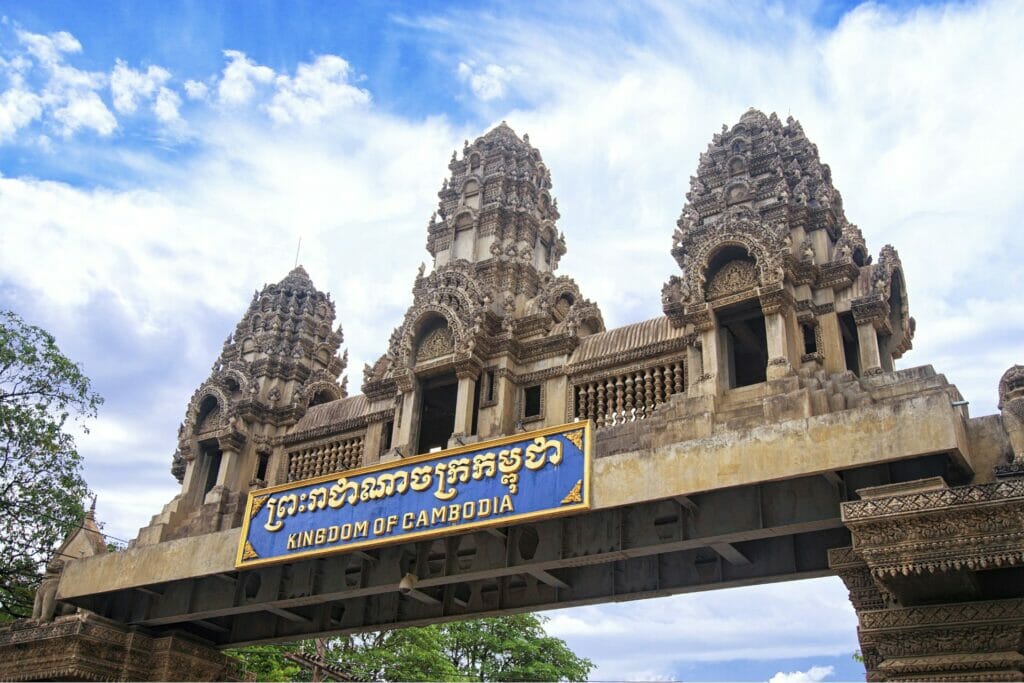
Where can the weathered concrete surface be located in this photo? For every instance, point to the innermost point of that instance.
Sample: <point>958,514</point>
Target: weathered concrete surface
<point>783,450</point>
<point>148,565</point>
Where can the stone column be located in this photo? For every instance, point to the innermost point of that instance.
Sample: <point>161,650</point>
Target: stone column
<point>372,442</point>
<point>228,467</point>
<point>831,341</point>
<point>775,305</point>
<point>711,361</point>
<point>694,369</point>
<point>464,404</point>
<point>408,424</point>
<point>867,338</point>
<point>712,378</point>
<point>778,346</point>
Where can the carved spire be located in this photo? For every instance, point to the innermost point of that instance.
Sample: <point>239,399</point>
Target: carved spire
<point>282,356</point>
<point>497,204</point>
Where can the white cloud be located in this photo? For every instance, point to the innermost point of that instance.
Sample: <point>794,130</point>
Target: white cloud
<point>85,110</point>
<point>240,76</point>
<point>490,82</point>
<point>69,95</point>
<point>129,85</point>
<point>196,90</point>
<point>18,108</point>
<point>166,105</point>
<point>317,90</point>
<point>658,637</point>
<point>48,49</point>
<point>815,674</point>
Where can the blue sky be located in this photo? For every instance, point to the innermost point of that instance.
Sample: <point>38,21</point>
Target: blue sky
<point>159,161</point>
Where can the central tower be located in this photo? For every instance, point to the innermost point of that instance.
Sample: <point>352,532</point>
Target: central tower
<point>487,324</point>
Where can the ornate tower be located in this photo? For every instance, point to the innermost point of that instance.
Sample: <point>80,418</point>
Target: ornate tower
<point>491,314</point>
<point>774,278</point>
<point>280,360</point>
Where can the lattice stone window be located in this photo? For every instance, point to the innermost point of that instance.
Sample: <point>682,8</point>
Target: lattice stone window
<point>325,458</point>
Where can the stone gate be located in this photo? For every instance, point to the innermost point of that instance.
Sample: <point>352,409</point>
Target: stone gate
<point>756,430</point>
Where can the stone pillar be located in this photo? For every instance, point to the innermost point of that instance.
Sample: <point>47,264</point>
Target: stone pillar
<point>372,442</point>
<point>711,362</point>
<point>867,338</point>
<point>464,405</point>
<point>831,342</point>
<point>778,346</point>
<point>775,305</point>
<point>228,467</point>
<point>407,427</point>
<point>930,575</point>
<point>694,369</point>
<point>712,379</point>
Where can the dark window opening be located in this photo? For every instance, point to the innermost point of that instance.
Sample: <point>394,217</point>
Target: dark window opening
<point>212,470</point>
<point>261,466</point>
<point>437,414</point>
<point>476,408</point>
<point>531,401</point>
<point>858,258</point>
<point>320,397</point>
<point>810,339</point>
<point>385,439</point>
<point>851,345</point>
<point>746,343</point>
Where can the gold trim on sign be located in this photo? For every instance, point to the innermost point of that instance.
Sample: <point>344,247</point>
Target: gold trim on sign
<point>248,552</point>
<point>257,504</point>
<point>574,495</point>
<point>576,437</point>
<point>584,504</point>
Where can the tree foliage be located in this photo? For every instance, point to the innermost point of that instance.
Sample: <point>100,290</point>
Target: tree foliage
<point>42,393</point>
<point>513,648</point>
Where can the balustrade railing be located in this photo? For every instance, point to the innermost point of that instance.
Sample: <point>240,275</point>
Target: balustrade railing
<point>628,396</point>
<point>325,458</point>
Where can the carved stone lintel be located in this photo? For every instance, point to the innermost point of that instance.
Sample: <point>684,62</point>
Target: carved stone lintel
<point>775,300</point>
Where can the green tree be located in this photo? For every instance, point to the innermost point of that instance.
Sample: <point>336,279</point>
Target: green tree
<point>268,662</point>
<point>41,487</point>
<point>513,648</point>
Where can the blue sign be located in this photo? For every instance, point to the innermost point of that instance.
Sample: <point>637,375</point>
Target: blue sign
<point>526,476</point>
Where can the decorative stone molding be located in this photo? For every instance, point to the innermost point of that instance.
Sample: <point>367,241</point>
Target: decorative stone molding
<point>961,529</point>
<point>84,646</point>
<point>978,640</point>
<point>734,277</point>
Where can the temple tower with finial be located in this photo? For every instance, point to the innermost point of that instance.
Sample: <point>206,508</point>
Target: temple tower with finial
<point>491,318</point>
<point>774,278</point>
<point>281,359</point>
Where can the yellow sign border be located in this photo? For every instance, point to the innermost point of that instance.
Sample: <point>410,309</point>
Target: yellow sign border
<point>586,425</point>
